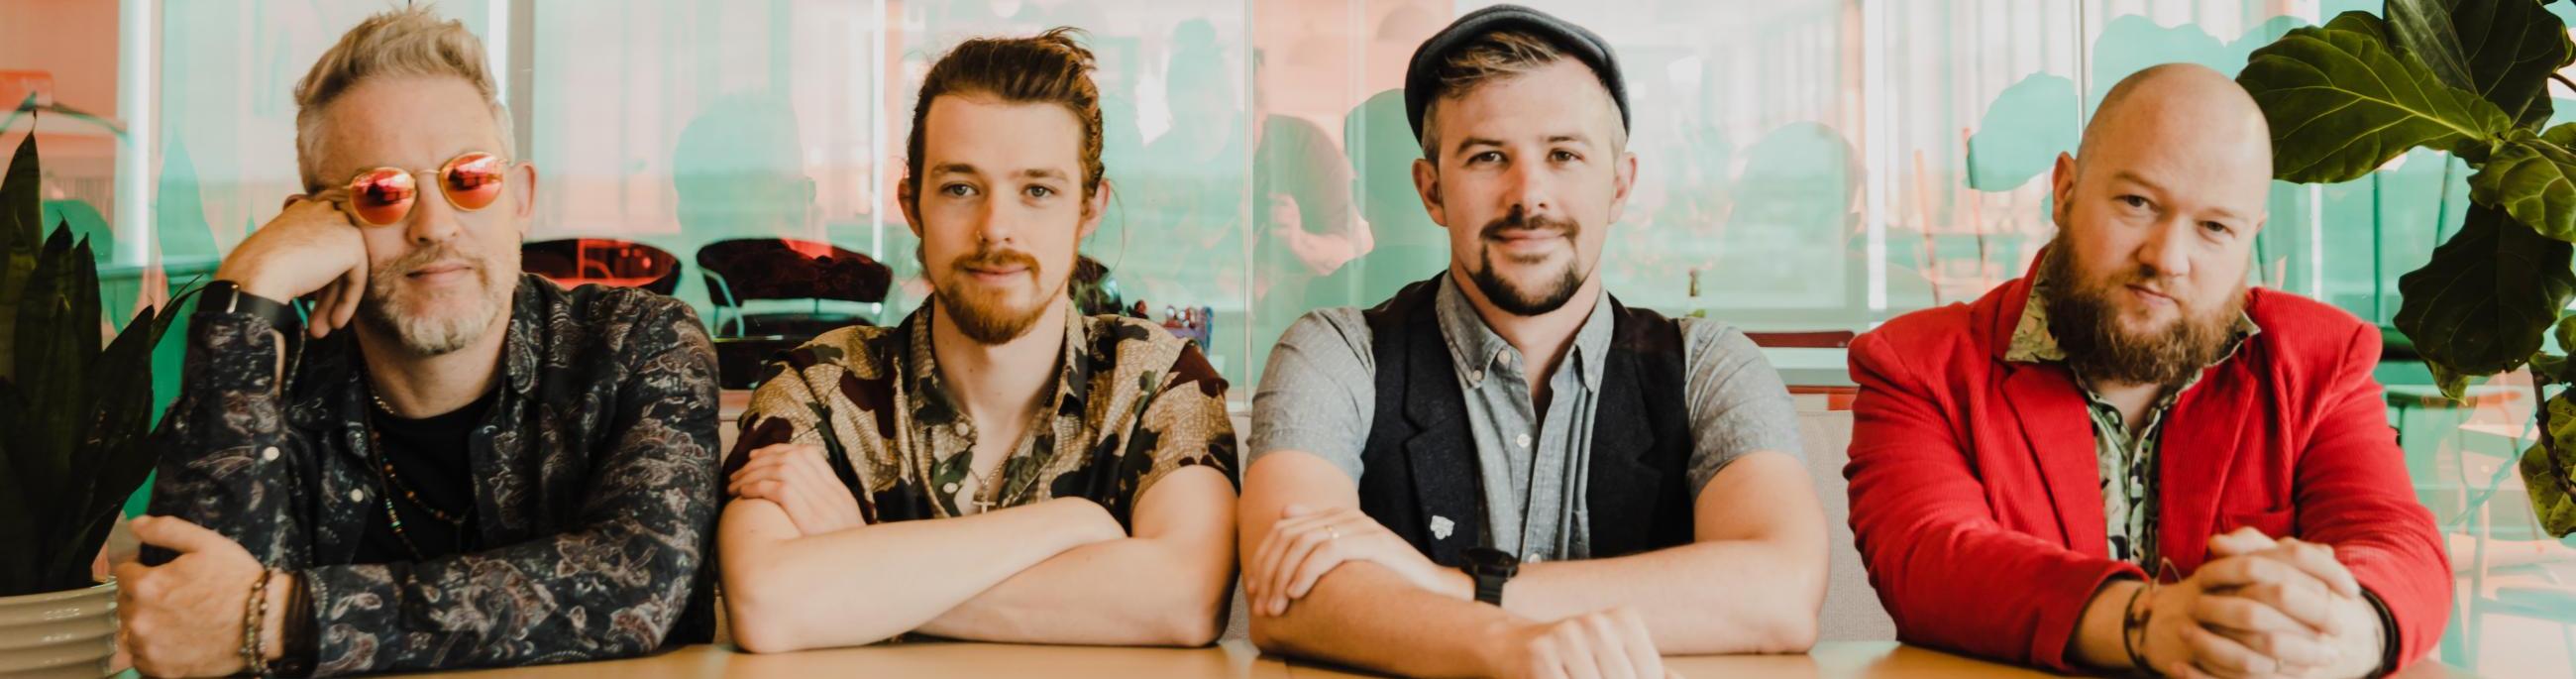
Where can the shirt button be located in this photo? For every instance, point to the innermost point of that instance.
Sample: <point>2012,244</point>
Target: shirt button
<point>356,495</point>
<point>1534,557</point>
<point>269,454</point>
<point>1523,441</point>
<point>951,488</point>
<point>1476,376</point>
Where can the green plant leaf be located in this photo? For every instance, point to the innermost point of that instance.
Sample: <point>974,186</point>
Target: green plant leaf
<point>21,208</point>
<point>2549,471</point>
<point>2480,306</point>
<point>2502,50</point>
<point>2565,333</point>
<point>2423,28</point>
<point>2532,178</point>
<point>2550,365</point>
<point>74,416</point>
<point>2454,386</point>
<point>2512,46</point>
<point>2341,103</point>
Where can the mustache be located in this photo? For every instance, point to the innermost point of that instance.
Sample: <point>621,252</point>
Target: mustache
<point>996,258</point>
<point>435,254</point>
<point>1520,220</point>
<point>2150,280</point>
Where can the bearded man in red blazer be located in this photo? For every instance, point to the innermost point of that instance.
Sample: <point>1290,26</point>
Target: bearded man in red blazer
<point>2130,411</point>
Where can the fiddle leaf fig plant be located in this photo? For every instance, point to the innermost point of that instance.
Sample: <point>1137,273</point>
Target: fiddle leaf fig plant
<point>2467,77</point>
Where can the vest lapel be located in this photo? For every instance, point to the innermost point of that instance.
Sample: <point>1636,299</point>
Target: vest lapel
<point>1441,454</point>
<point>1623,491</point>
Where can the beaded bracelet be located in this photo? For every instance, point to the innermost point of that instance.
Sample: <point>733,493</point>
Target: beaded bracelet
<point>254,612</point>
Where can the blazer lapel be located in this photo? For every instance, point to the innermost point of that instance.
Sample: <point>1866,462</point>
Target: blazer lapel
<point>2059,434</point>
<point>2200,447</point>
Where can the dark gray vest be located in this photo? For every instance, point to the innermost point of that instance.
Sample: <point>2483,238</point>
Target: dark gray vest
<point>1420,461</point>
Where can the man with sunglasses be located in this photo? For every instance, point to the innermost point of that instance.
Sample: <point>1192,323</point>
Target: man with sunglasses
<point>449,463</point>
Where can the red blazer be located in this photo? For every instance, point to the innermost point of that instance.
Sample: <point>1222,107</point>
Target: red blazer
<point>1977,506</point>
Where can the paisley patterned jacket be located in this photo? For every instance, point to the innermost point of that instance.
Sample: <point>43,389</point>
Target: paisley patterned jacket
<point>595,467</point>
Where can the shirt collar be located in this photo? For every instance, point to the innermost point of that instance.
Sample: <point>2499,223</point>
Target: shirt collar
<point>933,405</point>
<point>1475,350</point>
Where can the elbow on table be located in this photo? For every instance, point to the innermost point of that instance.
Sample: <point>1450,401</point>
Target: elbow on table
<point>1193,626</point>
<point>1186,615</point>
<point>1792,632</point>
<point>757,627</point>
<point>1270,634</point>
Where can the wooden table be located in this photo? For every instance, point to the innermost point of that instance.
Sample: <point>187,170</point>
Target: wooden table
<point>1235,660</point>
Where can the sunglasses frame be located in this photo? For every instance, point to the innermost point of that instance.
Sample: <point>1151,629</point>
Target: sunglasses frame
<point>412,178</point>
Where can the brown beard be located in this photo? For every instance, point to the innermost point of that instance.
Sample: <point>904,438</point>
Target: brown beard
<point>1513,300</point>
<point>982,315</point>
<point>2086,322</point>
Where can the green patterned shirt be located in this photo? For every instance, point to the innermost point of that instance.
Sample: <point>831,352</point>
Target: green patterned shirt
<point>2125,455</point>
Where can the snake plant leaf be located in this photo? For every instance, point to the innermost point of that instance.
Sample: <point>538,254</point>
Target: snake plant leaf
<point>2533,178</point>
<point>73,414</point>
<point>19,523</point>
<point>2489,293</point>
<point>21,210</point>
<point>2341,102</point>
<point>44,354</point>
<point>120,457</point>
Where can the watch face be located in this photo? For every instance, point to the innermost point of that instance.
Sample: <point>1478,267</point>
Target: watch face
<point>1490,560</point>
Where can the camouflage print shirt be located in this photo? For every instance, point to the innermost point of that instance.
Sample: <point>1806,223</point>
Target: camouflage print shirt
<point>2124,455</point>
<point>595,466</point>
<point>1131,404</point>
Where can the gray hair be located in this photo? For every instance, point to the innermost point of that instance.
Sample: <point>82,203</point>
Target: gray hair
<point>410,41</point>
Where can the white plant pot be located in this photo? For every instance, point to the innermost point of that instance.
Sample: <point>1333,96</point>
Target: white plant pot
<point>64,634</point>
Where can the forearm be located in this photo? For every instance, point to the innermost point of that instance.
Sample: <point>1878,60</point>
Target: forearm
<point>1364,615</point>
<point>610,590</point>
<point>1768,604</point>
<point>2098,642</point>
<point>229,461</point>
<point>1126,592</point>
<point>867,584</point>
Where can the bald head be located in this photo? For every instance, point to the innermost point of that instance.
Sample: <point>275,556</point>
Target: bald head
<point>2182,104</point>
<point>2156,216</point>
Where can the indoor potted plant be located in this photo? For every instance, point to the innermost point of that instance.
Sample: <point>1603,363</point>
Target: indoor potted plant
<point>74,416</point>
<point>2470,79</point>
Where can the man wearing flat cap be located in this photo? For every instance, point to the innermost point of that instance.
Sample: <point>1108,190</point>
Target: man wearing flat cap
<point>1503,471</point>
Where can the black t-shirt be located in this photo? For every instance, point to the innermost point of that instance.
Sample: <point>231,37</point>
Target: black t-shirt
<point>430,458</point>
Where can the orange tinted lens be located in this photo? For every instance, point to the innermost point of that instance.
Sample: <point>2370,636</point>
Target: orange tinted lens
<point>382,196</point>
<point>473,180</point>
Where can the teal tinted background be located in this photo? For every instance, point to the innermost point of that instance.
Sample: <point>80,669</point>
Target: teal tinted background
<point>1812,164</point>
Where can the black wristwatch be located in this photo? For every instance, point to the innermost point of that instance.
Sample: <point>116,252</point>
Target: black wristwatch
<point>1491,568</point>
<point>224,297</point>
